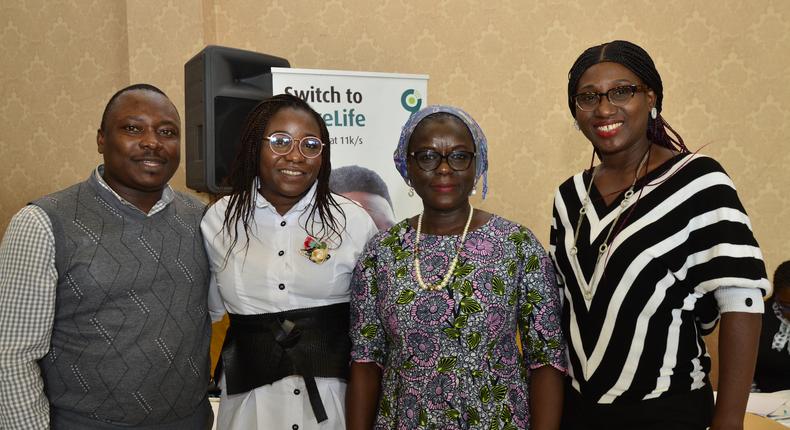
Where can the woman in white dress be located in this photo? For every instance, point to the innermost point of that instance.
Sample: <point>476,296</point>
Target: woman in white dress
<point>282,248</point>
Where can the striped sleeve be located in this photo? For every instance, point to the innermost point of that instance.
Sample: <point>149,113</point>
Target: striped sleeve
<point>722,249</point>
<point>28,280</point>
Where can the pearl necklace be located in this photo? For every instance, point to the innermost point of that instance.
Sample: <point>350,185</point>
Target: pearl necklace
<point>589,289</point>
<point>446,279</point>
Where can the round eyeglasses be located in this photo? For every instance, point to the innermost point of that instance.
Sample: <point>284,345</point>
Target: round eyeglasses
<point>430,160</point>
<point>618,96</point>
<point>283,144</point>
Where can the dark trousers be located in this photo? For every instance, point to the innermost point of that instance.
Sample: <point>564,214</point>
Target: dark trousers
<point>684,411</point>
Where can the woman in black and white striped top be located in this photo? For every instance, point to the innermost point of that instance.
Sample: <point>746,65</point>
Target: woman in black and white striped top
<point>651,245</point>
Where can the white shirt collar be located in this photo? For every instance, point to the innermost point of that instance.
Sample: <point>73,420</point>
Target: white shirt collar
<point>168,195</point>
<point>306,201</point>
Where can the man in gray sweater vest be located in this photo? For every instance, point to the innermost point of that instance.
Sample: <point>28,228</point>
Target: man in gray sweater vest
<point>103,289</point>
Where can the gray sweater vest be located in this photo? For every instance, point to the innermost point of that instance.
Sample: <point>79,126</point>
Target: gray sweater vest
<point>131,334</point>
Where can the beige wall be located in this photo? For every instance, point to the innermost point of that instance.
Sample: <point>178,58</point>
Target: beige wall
<point>725,65</point>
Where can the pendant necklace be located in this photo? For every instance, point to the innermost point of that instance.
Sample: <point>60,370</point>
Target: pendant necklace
<point>446,279</point>
<point>589,289</point>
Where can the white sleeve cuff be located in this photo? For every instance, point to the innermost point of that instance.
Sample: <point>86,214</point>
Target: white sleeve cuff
<point>739,299</point>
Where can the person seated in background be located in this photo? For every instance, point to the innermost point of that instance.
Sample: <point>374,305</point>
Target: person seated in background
<point>773,357</point>
<point>103,289</point>
<point>365,187</point>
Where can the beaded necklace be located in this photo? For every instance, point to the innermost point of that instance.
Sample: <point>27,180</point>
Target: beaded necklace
<point>446,279</point>
<point>589,289</point>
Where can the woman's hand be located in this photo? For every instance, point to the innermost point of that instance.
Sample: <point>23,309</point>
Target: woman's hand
<point>362,395</point>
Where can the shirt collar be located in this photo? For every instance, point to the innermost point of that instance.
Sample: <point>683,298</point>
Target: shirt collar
<point>305,202</point>
<point>168,195</point>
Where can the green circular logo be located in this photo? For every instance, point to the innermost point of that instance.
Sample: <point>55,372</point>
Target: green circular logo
<point>411,100</point>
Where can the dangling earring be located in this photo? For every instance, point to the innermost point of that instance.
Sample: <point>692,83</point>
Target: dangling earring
<point>654,113</point>
<point>576,124</point>
<point>411,192</point>
<point>474,191</point>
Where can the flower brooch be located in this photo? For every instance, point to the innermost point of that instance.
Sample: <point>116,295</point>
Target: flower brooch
<point>314,250</point>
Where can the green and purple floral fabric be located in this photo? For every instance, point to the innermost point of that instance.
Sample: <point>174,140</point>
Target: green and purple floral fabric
<point>450,357</point>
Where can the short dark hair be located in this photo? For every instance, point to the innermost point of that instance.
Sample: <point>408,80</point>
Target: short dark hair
<point>134,87</point>
<point>782,276</point>
<point>637,60</point>
<point>357,178</point>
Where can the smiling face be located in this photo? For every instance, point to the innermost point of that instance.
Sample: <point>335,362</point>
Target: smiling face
<point>442,189</point>
<point>612,129</point>
<point>140,142</point>
<point>285,179</point>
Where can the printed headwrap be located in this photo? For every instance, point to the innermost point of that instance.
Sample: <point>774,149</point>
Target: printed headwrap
<point>481,144</point>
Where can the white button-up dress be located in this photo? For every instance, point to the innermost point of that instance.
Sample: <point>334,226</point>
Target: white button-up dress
<point>271,275</point>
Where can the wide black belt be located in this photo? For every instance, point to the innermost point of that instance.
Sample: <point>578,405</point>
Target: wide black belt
<point>262,349</point>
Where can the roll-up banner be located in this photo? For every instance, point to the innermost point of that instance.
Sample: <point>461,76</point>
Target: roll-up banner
<point>364,112</point>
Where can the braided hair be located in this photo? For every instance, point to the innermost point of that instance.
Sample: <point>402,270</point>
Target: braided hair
<point>320,222</point>
<point>638,61</point>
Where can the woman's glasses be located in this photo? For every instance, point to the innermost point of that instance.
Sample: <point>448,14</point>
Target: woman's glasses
<point>430,160</point>
<point>283,144</point>
<point>618,96</point>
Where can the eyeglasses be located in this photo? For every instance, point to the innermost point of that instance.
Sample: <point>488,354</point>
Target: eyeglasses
<point>430,160</point>
<point>618,96</point>
<point>283,144</point>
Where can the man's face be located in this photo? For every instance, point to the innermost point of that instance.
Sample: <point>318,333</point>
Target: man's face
<point>140,143</point>
<point>376,206</point>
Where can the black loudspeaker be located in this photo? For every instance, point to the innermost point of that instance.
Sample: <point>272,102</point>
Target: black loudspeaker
<point>221,86</point>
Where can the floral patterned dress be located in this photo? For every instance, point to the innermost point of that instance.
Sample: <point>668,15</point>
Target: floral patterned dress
<point>449,357</point>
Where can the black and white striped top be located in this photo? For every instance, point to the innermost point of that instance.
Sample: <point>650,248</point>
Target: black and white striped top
<point>640,336</point>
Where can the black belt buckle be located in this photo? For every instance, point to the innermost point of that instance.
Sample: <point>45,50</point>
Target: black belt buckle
<point>286,334</point>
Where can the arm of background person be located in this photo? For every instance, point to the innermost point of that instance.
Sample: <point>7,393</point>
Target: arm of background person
<point>28,281</point>
<point>362,395</point>
<point>739,335</point>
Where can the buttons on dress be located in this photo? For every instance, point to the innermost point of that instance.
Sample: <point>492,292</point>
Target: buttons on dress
<point>748,301</point>
<point>296,391</point>
<point>295,427</point>
<point>281,253</point>
<point>281,286</point>
<point>282,224</point>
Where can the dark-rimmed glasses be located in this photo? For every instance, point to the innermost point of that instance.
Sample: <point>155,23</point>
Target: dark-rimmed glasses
<point>430,160</point>
<point>283,144</point>
<point>618,96</point>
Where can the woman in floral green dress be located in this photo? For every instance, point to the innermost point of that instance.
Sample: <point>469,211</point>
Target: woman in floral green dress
<point>437,300</point>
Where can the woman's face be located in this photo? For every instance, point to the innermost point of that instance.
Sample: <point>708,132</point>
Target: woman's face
<point>442,189</point>
<point>286,178</point>
<point>611,128</point>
